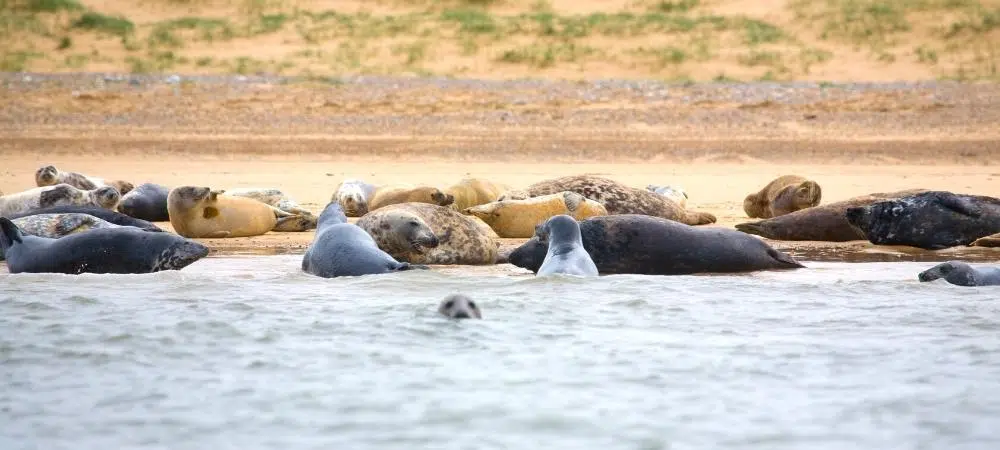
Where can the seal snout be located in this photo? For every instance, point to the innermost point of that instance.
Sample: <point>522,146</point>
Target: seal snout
<point>184,254</point>
<point>458,306</point>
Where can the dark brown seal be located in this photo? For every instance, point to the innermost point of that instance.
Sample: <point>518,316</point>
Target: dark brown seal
<point>783,195</point>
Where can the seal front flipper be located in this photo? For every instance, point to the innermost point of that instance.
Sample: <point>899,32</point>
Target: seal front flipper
<point>784,259</point>
<point>217,235</point>
<point>697,218</point>
<point>959,204</point>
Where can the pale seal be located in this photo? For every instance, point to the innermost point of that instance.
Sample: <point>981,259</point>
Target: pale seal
<point>930,220</point>
<point>819,223</point>
<point>469,192</point>
<point>148,201</point>
<point>393,195</point>
<point>50,176</point>
<point>353,196</point>
<point>116,250</point>
<point>783,195</point>
<point>304,221</point>
<point>675,193</point>
<point>107,215</point>
<point>565,254</point>
<point>58,195</point>
<point>341,249</point>
<point>518,218</point>
<point>962,274</point>
<point>458,306</point>
<point>421,233</point>
<point>638,244</point>
<point>200,212</point>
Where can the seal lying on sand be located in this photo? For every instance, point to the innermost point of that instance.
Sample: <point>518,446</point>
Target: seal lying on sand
<point>518,218</point>
<point>147,201</point>
<point>618,198</point>
<point>469,192</point>
<point>992,240</point>
<point>116,250</point>
<point>458,306</point>
<point>819,223</point>
<point>420,233</point>
<point>394,195</point>
<point>783,195</point>
<point>58,195</point>
<point>962,274</point>
<point>200,212</point>
<point>50,176</point>
<point>353,196</point>
<point>275,198</point>
<point>675,193</point>
<point>107,215</point>
<point>56,226</point>
<point>565,253</point>
<point>637,244</point>
<point>930,220</point>
<point>342,249</point>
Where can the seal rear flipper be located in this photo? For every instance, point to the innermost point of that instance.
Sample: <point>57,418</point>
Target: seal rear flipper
<point>407,266</point>
<point>217,235</point>
<point>784,259</point>
<point>697,218</point>
<point>756,228</point>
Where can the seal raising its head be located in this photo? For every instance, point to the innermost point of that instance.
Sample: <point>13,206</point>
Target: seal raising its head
<point>200,212</point>
<point>58,195</point>
<point>565,254</point>
<point>50,176</point>
<point>962,274</point>
<point>783,195</point>
<point>931,220</point>
<point>458,306</point>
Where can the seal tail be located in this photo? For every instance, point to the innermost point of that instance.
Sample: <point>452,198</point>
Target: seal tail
<point>698,218</point>
<point>784,260</point>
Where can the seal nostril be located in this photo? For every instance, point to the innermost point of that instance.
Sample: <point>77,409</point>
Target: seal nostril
<point>461,315</point>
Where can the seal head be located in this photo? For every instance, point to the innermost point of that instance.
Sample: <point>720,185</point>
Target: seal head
<point>458,306</point>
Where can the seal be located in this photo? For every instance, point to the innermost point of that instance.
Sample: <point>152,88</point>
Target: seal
<point>645,245</point>
<point>518,218</point>
<point>292,217</point>
<point>620,199</point>
<point>783,195</point>
<point>113,250</point>
<point>930,220</point>
<point>819,223</point>
<point>341,249</point>
<point>992,240</point>
<point>353,196</point>
<point>458,306</point>
<point>421,233</point>
<point>675,193</point>
<point>58,195</point>
<point>148,201</point>
<point>50,176</point>
<point>565,252</point>
<point>56,226</point>
<point>962,274</point>
<point>200,212</point>
<point>469,192</point>
<point>107,215</point>
<point>393,195</point>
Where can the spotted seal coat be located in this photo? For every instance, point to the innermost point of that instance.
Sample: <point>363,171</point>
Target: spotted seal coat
<point>930,220</point>
<point>58,195</point>
<point>104,214</point>
<point>962,274</point>
<point>675,193</point>
<point>353,196</point>
<point>51,176</point>
<point>406,230</point>
<point>518,218</point>
<point>58,225</point>
<point>783,195</point>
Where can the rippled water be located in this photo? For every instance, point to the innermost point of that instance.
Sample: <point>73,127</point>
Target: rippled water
<point>247,352</point>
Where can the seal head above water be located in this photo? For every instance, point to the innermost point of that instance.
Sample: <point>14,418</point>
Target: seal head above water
<point>565,253</point>
<point>458,306</point>
<point>962,274</point>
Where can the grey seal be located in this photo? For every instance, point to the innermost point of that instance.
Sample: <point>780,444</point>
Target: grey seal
<point>565,253</point>
<point>353,196</point>
<point>342,249</point>
<point>962,274</point>
<point>931,220</point>
<point>101,213</point>
<point>118,250</point>
<point>458,306</point>
<point>639,244</point>
<point>58,225</point>
<point>148,201</point>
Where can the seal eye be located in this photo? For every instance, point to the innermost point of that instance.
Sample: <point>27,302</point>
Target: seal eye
<point>472,304</point>
<point>413,224</point>
<point>450,304</point>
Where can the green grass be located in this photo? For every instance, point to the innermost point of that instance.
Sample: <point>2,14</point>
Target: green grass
<point>546,55</point>
<point>53,5</point>
<point>471,20</point>
<point>16,61</point>
<point>668,6</point>
<point>115,25</point>
<point>760,58</point>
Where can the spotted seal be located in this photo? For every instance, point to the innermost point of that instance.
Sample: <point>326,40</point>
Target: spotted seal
<point>675,193</point>
<point>469,192</point>
<point>783,195</point>
<point>353,196</point>
<point>962,274</point>
<point>109,250</point>
<point>639,244</point>
<point>148,201</point>
<point>518,218</point>
<point>50,176</point>
<point>58,225</point>
<point>565,254</point>
<point>392,195</point>
<point>930,220</point>
<point>104,214</point>
<point>200,212</point>
<point>421,233</point>
<point>58,195</point>
<point>820,223</point>
<point>458,306</point>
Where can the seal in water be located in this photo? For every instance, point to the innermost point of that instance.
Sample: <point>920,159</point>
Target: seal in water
<point>675,193</point>
<point>56,226</point>
<point>148,201</point>
<point>58,195</point>
<point>421,233</point>
<point>618,198</point>
<point>341,249</point>
<point>458,306</point>
<point>50,176</point>
<point>200,212</point>
<point>637,244</point>
<point>518,218</point>
<point>101,213</point>
<point>931,220</point>
<point>565,253</point>
<point>819,223</point>
<point>469,192</point>
<point>116,250</point>
<point>783,195</point>
<point>353,196</point>
<point>394,195</point>
<point>962,274</point>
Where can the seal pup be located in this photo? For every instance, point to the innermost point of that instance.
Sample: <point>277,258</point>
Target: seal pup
<point>645,245</point>
<point>783,195</point>
<point>58,195</point>
<point>421,233</point>
<point>114,250</point>
<point>58,225</point>
<point>675,193</point>
<point>50,176</point>
<point>992,240</point>
<point>518,218</point>
<point>107,215</point>
<point>565,253</point>
<point>469,192</point>
<point>458,306</point>
<point>962,274</point>
<point>819,223</point>
<point>353,196</point>
<point>341,249</point>
<point>620,199</point>
<point>200,212</point>
<point>930,220</point>
<point>148,201</point>
<point>393,195</point>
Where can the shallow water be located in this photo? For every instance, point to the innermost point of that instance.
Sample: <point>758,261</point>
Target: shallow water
<point>248,352</point>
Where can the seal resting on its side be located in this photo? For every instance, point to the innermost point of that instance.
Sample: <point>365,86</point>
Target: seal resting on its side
<point>458,306</point>
<point>469,192</point>
<point>819,223</point>
<point>56,226</point>
<point>283,204</point>
<point>675,193</point>
<point>200,212</point>
<point>637,244</point>
<point>565,252</point>
<point>618,198</point>
<point>58,195</point>
<point>115,250</point>
<point>930,220</point>
<point>50,176</point>
<point>783,195</point>
<point>962,274</point>
<point>353,196</point>
<point>107,215</point>
<point>394,195</point>
<point>147,201</point>
<point>421,233</point>
<point>518,218</point>
<point>341,249</point>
